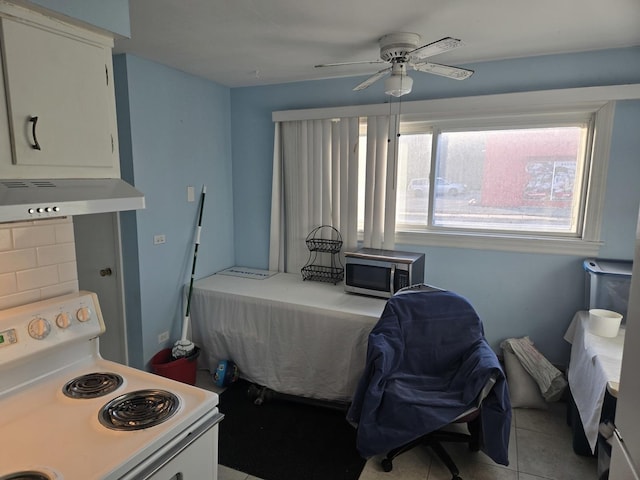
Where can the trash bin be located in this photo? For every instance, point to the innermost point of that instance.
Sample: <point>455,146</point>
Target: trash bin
<point>183,369</point>
<point>607,284</point>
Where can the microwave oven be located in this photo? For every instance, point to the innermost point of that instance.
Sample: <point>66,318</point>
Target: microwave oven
<point>381,273</point>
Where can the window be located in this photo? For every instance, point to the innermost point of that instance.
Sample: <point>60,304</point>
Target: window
<point>520,179</point>
<point>498,179</point>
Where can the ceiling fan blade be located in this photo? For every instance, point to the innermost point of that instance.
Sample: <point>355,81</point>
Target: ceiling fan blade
<point>456,73</point>
<point>372,79</point>
<point>340,64</point>
<point>439,46</point>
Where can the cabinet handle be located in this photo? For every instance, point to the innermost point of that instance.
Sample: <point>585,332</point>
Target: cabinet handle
<point>34,121</point>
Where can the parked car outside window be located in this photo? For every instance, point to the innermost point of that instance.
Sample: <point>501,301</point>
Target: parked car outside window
<point>420,187</point>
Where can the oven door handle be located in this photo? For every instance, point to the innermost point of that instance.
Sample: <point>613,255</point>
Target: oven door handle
<point>150,469</point>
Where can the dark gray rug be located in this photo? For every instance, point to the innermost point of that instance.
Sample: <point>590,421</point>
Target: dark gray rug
<point>285,440</point>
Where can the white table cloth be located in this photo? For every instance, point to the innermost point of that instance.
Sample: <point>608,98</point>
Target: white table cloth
<point>595,362</point>
<point>296,337</point>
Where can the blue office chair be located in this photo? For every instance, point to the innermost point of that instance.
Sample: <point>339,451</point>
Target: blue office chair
<point>428,366</point>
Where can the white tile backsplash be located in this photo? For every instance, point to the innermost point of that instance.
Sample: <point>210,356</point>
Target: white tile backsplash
<point>64,233</point>
<point>37,277</point>
<point>5,240</point>
<point>17,260</point>
<point>34,236</point>
<point>37,261</point>
<point>21,298</point>
<point>8,284</point>
<point>68,271</point>
<point>55,254</point>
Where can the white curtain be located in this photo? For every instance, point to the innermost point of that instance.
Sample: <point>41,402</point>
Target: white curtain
<point>315,182</point>
<point>380,184</point>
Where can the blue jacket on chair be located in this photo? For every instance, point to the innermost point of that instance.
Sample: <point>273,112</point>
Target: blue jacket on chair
<point>427,362</point>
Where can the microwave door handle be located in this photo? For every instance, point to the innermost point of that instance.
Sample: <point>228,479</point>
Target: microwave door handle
<point>392,280</point>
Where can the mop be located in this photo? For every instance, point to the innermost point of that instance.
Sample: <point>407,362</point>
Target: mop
<point>185,347</point>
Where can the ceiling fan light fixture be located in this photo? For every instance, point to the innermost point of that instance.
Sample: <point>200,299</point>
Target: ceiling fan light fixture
<point>398,85</point>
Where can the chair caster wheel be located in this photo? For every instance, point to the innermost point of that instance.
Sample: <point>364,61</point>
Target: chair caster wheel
<point>386,465</point>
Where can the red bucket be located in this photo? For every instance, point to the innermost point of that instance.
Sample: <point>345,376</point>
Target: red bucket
<point>183,370</point>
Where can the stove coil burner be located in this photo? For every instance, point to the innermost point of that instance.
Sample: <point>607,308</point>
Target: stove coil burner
<point>139,409</point>
<point>30,475</point>
<point>92,385</point>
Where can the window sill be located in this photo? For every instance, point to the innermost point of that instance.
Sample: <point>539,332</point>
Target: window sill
<point>506,243</point>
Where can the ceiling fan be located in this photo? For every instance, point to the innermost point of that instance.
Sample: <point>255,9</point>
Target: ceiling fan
<point>402,52</point>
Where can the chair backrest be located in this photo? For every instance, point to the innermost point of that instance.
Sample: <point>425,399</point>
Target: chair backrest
<point>435,328</point>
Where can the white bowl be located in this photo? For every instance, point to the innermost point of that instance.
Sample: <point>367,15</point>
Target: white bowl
<point>604,323</point>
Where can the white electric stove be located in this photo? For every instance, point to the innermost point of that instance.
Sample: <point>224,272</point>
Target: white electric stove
<point>68,414</point>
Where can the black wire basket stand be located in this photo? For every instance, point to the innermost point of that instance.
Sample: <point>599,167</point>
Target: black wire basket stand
<point>324,241</point>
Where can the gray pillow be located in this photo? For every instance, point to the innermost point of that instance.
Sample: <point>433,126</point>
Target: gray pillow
<point>523,389</point>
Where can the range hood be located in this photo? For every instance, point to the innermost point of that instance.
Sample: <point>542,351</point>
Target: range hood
<point>35,199</point>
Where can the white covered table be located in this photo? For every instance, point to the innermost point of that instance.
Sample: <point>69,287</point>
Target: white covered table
<point>293,336</point>
<point>594,366</point>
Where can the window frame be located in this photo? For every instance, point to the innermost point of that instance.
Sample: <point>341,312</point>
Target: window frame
<point>587,242</point>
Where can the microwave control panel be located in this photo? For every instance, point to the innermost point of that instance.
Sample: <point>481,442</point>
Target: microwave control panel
<point>402,279</point>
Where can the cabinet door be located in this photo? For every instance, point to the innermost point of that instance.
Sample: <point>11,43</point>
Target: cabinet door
<point>63,82</point>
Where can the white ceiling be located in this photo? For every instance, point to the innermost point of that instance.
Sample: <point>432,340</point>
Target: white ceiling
<point>257,42</point>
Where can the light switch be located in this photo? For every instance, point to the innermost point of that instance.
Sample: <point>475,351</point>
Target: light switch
<point>190,194</point>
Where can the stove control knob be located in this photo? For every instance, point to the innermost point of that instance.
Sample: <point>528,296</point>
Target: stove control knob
<point>83,314</point>
<point>63,321</point>
<point>39,328</point>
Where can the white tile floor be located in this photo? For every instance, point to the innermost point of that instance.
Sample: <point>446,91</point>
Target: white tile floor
<point>539,449</point>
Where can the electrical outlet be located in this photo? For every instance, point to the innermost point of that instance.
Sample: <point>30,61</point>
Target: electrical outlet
<point>159,239</point>
<point>163,337</point>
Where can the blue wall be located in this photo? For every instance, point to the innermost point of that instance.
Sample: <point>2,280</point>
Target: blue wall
<point>516,294</point>
<point>174,132</point>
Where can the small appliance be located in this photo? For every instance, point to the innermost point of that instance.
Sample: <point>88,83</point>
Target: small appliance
<point>381,273</point>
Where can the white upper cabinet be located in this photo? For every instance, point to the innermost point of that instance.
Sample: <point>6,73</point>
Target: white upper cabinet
<point>60,104</point>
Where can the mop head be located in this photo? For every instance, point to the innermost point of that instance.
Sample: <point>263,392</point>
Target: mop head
<point>182,348</point>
